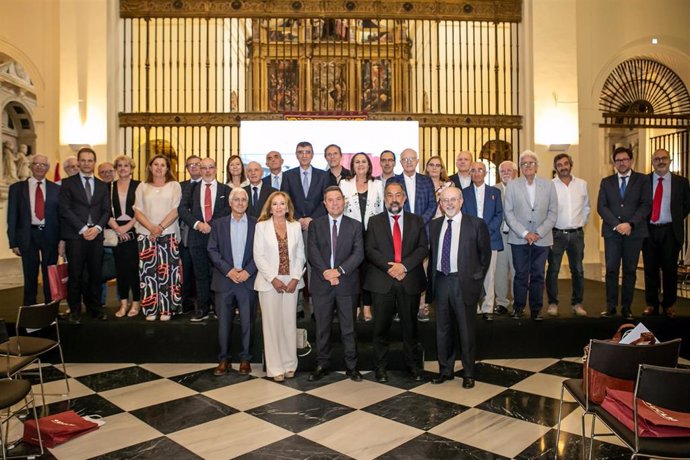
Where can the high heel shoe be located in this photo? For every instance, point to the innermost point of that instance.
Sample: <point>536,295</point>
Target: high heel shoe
<point>134,311</point>
<point>123,309</point>
<point>366,313</point>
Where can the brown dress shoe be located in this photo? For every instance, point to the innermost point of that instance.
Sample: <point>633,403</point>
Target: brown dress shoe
<point>222,368</point>
<point>245,367</point>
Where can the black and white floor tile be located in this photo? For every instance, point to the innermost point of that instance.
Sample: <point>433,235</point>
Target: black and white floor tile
<point>181,411</point>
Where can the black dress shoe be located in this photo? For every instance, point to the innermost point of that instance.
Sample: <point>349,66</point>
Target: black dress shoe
<point>488,317</point>
<point>442,378</point>
<point>381,375</point>
<point>500,310</point>
<point>516,315</point>
<point>354,375</point>
<point>417,375</point>
<point>608,313</point>
<point>318,374</point>
<point>537,317</point>
<point>627,315</point>
<point>74,318</point>
<point>468,382</point>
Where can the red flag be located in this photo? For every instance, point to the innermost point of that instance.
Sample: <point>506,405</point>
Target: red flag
<point>56,176</point>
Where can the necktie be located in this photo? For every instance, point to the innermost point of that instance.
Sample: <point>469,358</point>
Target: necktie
<point>656,204</point>
<point>89,195</point>
<point>445,250</point>
<point>397,240</point>
<point>305,183</point>
<point>623,179</point>
<point>208,207</point>
<point>334,239</point>
<point>39,202</point>
<point>276,184</point>
<point>255,197</point>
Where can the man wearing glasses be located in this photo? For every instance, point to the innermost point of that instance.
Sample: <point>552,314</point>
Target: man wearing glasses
<point>670,207</point>
<point>624,204</point>
<point>33,226</point>
<point>188,285</point>
<point>418,188</point>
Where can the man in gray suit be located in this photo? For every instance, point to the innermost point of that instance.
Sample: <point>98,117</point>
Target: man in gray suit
<point>531,210</point>
<point>504,260</point>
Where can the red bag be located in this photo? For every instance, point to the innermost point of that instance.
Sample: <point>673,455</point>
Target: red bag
<point>57,429</point>
<point>57,277</point>
<point>652,421</point>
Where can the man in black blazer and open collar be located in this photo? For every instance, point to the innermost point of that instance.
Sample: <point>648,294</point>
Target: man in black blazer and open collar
<point>396,245</point>
<point>336,250</point>
<point>84,213</point>
<point>199,206</point>
<point>459,257</point>
<point>257,190</point>
<point>33,229</point>
<point>624,204</point>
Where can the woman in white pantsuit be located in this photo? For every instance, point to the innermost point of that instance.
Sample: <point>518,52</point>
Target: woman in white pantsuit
<point>279,258</point>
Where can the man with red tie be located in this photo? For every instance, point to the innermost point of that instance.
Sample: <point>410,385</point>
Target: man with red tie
<point>670,207</point>
<point>33,226</point>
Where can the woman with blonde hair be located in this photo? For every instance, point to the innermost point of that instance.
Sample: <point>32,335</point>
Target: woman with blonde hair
<point>279,257</point>
<point>234,171</point>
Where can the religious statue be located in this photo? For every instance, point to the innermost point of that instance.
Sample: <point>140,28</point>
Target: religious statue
<point>23,161</point>
<point>15,165</point>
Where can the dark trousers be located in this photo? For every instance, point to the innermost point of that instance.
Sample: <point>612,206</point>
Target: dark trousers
<point>617,249</point>
<point>453,319</point>
<point>39,254</point>
<point>127,266</point>
<point>188,283</point>
<point>385,306</point>
<point>84,255</point>
<point>245,298</point>
<point>202,276</point>
<point>344,306</point>
<point>660,254</point>
<point>529,261</point>
<point>572,243</point>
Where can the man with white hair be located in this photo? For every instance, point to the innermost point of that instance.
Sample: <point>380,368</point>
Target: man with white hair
<point>531,210</point>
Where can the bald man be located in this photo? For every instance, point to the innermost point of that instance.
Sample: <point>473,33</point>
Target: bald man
<point>463,162</point>
<point>257,190</point>
<point>274,162</point>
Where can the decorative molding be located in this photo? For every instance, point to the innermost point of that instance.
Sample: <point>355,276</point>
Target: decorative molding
<point>469,10</point>
<point>634,120</point>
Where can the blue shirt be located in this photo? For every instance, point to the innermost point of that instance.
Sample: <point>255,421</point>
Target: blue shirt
<point>238,239</point>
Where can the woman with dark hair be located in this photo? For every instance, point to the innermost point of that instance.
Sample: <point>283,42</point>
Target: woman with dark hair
<point>155,209</point>
<point>363,199</point>
<point>234,171</point>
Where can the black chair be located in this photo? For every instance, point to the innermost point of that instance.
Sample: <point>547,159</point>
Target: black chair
<point>667,388</point>
<point>615,360</point>
<point>12,392</point>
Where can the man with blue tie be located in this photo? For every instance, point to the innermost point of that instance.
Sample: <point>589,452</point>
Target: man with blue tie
<point>257,190</point>
<point>274,162</point>
<point>230,249</point>
<point>418,188</point>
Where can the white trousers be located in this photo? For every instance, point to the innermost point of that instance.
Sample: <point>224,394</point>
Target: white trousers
<point>487,305</point>
<point>504,274</point>
<point>279,325</point>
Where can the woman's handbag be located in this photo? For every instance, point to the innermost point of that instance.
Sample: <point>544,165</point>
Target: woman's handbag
<point>110,238</point>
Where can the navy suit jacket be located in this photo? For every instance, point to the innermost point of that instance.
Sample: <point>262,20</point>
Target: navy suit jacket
<point>220,253</point>
<point>424,196</point>
<point>75,209</point>
<point>312,204</point>
<point>190,210</point>
<point>680,203</point>
<point>19,214</point>
<point>634,208</point>
<point>264,193</point>
<point>492,212</point>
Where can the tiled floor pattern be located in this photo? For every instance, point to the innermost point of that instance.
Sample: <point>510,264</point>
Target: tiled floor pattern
<point>181,411</point>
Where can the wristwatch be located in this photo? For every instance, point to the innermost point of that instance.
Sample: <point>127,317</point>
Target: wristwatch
<point>341,271</point>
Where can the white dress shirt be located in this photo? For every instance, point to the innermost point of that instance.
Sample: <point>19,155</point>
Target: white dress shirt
<point>202,197</point>
<point>531,191</point>
<point>573,203</point>
<point>33,183</point>
<point>410,184</point>
<point>454,242</point>
<point>479,194</point>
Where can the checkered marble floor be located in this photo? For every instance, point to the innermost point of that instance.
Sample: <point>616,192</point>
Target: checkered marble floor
<point>181,411</point>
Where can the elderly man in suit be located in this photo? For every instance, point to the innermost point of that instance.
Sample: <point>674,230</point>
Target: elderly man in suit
<point>670,207</point>
<point>188,284</point>
<point>231,251</point>
<point>274,162</point>
<point>199,206</point>
<point>459,258</point>
<point>33,226</point>
<point>419,189</point>
<point>531,209</point>
<point>336,249</point>
<point>84,213</point>
<point>396,246</point>
<point>505,271</point>
<point>257,190</point>
<point>484,201</point>
<point>463,163</point>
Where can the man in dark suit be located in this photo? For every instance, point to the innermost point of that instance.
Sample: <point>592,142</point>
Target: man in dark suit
<point>484,201</point>
<point>230,249</point>
<point>670,207</point>
<point>336,171</point>
<point>84,213</point>
<point>419,189</point>
<point>33,226</point>
<point>624,204</point>
<point>396,245</point>
<point>199,206</point>
<point>274,162</point>
<point>459,258</point>
<point>336,249</point>
<point>462,178</point>
<point>257,190</point>
<point>188,284</point>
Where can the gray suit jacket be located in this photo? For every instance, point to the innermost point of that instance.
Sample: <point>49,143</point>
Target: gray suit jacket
<point>521,216</point>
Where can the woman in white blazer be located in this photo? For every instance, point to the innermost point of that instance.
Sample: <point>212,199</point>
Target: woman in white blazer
<point>279,257</point>
<point>363,199</point>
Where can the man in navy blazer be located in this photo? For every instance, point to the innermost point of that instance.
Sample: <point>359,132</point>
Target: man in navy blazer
<point>274,162</point>
<point>484,201</point>
<point>230,249</point>
<point>624,204</point>
<point>418,188</point>
<point>257,190</point>
<point>199,206</point>
<point>336,250</point>
<point>34,235</point>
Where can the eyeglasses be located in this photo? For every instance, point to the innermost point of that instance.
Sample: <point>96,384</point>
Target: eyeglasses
<point>434,165</point>
<point>40,165</point>
<point>660,159</point>
<point>207,168</point>
<point>449,200</point>
<point>408,160</point>
<point>193,165</point>
<point>525,164</point>
<point>621,160</point>
<point>477,171</point>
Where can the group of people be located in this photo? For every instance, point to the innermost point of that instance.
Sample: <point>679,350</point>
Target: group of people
<point>364,245</point>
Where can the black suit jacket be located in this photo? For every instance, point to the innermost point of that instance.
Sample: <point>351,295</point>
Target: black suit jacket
<point>190,210</point>
<point>19,214</point>
<point>255,210</point>
<point>633,208</point>
<point>680,203</point>
<point>379,251</point>
<point>75,209</point>
<point>474,256</point>
<point>220,253</point>
<point>312,205</point>
<point>349,254</point>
